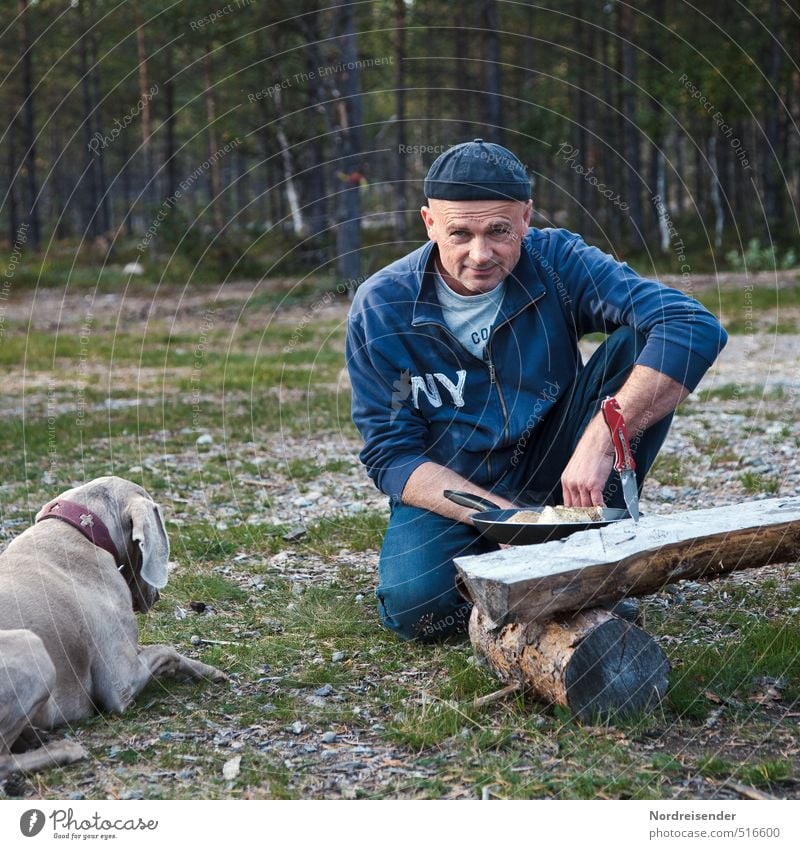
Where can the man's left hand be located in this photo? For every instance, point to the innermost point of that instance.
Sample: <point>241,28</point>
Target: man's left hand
<point>645,398</point>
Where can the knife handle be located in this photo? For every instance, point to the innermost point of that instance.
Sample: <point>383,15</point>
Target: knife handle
<point>612,413</point>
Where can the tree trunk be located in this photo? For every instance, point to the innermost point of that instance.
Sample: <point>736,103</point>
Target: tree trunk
<point>13,169</point>
<point>630,133</point>
<point>492,79</point>
<point>60,193</point>
<point>104,213</point>
<point>348,231</point>
<point>580,96</point>
<point>460,13</point>
<point>773,107</point>
<point>217,214</point>
<point>660,205</point>
<point>611,170</point>
<point>144,94</point>
<point>400,200</point>
<point>88,189</point>
<point>171,147</point>
<point>715,190</point>
<point>292,198</point>
<point>29,126</point>
<point>316,180</point>
<point>597,567</point>
<point>593,663</point>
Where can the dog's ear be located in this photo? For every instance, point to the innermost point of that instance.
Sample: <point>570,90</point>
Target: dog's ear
<point>151,537</point>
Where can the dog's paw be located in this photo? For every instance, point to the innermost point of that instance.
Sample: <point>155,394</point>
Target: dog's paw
<point>216,676</point>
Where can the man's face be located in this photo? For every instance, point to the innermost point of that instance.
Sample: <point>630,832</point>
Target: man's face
<point>479,241</point>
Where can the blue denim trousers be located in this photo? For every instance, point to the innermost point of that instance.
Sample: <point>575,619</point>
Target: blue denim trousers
<point>417,595</point>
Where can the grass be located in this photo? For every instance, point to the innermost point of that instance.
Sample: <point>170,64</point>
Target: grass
<point>287,592</point>
<point>755,310</point>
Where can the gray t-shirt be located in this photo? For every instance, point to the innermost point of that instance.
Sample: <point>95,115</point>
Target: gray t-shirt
<point>470,317</point>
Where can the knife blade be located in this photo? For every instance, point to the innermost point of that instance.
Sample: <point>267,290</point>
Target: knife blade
<point>623,456</point>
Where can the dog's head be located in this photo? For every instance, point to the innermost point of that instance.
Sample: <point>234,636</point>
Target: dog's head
<point>134,521</point>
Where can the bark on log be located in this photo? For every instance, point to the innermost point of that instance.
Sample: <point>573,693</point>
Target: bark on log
<point>597,665</point>
<point>593,568</point>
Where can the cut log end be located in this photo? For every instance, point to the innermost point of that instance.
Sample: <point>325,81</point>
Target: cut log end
<point>597,665</point>
<point>616,670</point>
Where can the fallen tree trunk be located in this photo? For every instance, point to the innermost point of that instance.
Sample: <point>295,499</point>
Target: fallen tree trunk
<point>597,665</point>
<point>598,567</point>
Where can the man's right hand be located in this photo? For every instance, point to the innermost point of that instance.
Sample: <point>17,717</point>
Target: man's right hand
<point>425,488</point>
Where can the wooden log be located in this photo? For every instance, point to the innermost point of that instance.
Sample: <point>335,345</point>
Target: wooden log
<point>597,665</point>
<point>598,567</point>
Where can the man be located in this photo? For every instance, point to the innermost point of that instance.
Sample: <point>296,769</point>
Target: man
<point>466,375</point>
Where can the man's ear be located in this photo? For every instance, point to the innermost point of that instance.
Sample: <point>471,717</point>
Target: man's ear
<point>528,212</point>
<point>427,218</point>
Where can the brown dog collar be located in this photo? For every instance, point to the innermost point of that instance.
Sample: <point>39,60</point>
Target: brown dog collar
<point>88,523</point>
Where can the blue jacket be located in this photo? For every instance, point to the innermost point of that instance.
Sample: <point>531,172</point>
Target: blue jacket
<point>419,395</point>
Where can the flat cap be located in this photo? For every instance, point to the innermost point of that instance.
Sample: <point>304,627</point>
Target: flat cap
<point>477,170</point>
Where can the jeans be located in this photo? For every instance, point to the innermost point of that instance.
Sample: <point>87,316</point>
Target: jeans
<point>417,595</point>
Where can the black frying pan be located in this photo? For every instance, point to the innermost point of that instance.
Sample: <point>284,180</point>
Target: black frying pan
<point>493,522</point>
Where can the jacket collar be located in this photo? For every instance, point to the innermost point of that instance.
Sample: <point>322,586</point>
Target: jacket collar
<point>524,285</point>
<point>88,523</point>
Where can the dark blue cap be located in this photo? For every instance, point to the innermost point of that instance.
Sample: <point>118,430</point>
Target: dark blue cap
<point>477,170</point>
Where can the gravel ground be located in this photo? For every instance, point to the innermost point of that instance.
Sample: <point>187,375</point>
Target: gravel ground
<point>713,443</point>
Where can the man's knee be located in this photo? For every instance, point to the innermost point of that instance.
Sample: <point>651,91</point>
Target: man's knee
<point>414,615</point>
<point>625,344</point>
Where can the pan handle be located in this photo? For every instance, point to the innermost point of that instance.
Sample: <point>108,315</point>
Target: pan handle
<point>467,499</point>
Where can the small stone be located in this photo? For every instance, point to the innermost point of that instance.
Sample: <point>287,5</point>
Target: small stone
<point>232,768</point>
<point>132,794</point>
<point>298,727</point>
<point>324,690</point>
<point>294,534</point>
<point>205,439</point>
<point>338,656</point>
<point>179,612</point>
<point>195,639</point>
<point>329,737</point>
<point>360,597</point>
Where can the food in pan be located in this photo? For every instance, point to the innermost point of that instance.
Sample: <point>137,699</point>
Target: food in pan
<point>557,516</point>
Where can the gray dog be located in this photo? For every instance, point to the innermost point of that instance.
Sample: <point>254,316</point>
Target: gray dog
<point>69,589</point>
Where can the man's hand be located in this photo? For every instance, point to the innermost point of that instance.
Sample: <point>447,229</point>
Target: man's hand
<point>427,483</point>
<point>645,398</point>
<point>585,476</point>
